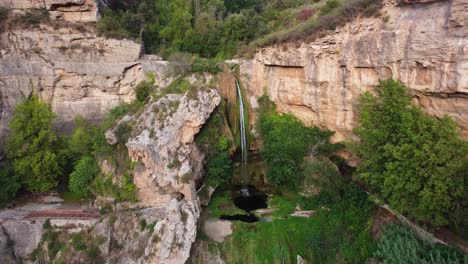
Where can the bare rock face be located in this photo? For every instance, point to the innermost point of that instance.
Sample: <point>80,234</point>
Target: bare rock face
<point>76,71</point>
<point>168,163</point>
<point>425,46</point>
<point>69,10</point>
<point>166,238</point>
<point>163,144</point>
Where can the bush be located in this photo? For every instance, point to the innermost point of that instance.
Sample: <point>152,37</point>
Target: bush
<point>32,18</point>
<point>85,171</point>
<point>219,163</point>
<point>143,90</point>
<point>286,142</point>
<point>9,184</point>
<point>178,86</point>
<point>398,244</point>
<point>415,162</point>
<point>32,146</point>
<point>305,14</point>
<point>79,241</point>
<point>330,5</point>
<point>205,65</point>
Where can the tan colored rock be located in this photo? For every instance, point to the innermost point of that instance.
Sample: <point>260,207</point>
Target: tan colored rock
<point>163,142</point>
<point>425,46</point>
<point>77,72</point>
<point>69,10</point>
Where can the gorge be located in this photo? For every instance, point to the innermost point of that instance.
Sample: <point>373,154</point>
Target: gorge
<point>171,126</point>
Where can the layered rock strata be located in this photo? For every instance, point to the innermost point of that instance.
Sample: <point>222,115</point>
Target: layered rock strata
<point>423,45</point>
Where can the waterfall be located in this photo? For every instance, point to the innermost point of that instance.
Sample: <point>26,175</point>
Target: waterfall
<point>243,141</point>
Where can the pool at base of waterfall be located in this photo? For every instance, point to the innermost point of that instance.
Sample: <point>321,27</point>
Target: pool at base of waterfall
<point>247,198</point>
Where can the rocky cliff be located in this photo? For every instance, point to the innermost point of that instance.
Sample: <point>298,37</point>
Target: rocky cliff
<point>167,165</point>
<point>422,44</point>
<point>71,67</point>
<point>68,10</point>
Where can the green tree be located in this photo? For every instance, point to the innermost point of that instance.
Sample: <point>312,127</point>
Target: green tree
<point>219,163</point>
<point>32,145</point>
<point>286,141</point>
<point>179,22</point>
<point>85,170</point>
<point>417,163</point>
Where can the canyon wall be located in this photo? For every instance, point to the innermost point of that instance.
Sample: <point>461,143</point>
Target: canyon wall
<point>71,67</point>
<point>424,45</point>
<point>68,10</point>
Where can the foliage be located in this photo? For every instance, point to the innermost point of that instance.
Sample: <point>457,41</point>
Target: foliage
<point>219,163</point>
<point>219,28</point>
<point>9,184</point>
<point>86,139</point>
<point>286,142</point>
<point>212,141</point>
<point>143,90</point>
<point>340,234</point>
<point>398,244</point>
<point>124,190</point>
<point>79,241</point>
<point>85,170</point>
<point>221,204</point>
<point>32,146</point>
<point>31,18</point>
<point>415,162</point>
<point>205,65</point>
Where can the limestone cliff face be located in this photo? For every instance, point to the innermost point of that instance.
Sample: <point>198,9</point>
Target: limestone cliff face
<point>69,10</point>
<point>76,71</point>
<point>423,45</point>
<point>168,163</point>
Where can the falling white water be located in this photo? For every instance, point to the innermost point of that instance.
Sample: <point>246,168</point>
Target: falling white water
<point>243,137</point>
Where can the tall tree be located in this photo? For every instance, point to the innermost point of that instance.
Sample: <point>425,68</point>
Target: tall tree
<point>31,145</point>
<point>179,22</point>
<point>415,162</point>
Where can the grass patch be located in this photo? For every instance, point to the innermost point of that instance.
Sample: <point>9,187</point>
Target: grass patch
<point>221,204</point>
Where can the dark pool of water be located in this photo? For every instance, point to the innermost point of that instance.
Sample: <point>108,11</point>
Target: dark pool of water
<point>247,198</point>
<point>247,218</point>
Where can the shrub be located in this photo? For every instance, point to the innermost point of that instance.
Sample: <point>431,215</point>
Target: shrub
<point>143,90</point>
<point>31,18</point>
<point>32,145</point>
<point>9,184</point>
<point>305,14</point>
<point>330,5</point>
<point>205,65</point>
<point>286,142</point>
<point>85,171</point>
<point>398,244</point>
<point>79,241</point>
<point>178,86</point>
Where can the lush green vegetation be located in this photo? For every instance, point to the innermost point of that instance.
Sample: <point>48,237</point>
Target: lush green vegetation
<point>415,162</point>
<point>213,142</point>
<point>9,183</point>
<point>33,146</point>
<point>85,171</point>
<point>286,142</point>
<point>398,244</point>
<point>336,233</point>
<point>218,28</point>
<point>39,160</point>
